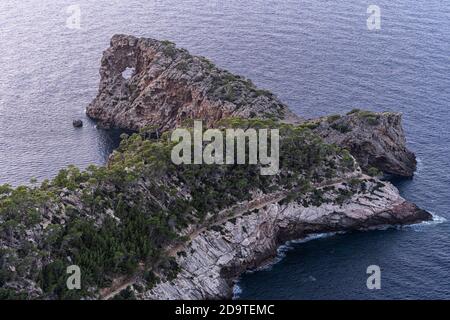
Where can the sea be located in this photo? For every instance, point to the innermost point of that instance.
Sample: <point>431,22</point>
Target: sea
<point>318,56</point>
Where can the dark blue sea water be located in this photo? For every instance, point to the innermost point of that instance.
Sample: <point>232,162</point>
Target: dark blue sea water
<point>317,55</point>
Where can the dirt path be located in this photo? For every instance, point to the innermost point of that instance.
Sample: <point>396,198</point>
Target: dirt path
<point>115,289</point>
<point>223,216</point>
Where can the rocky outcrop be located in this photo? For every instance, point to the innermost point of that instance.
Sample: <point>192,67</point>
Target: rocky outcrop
<point>192,229</point>
<point>146,82</point>
<point>77,123</point>
<point>375,139</point>
<point>217,256</point>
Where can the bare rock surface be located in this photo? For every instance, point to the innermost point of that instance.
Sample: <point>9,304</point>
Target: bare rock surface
<point>375,139</point>
<point>146,82</point>
<point>216,257</point>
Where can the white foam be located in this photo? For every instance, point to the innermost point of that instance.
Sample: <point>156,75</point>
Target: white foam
<point>281,254</point>
<point>315,236</point>
<point>237,290</point>
<point>436,220</point>
<point>283,249</point>
<point>128,73</point>
<point>288,246</point>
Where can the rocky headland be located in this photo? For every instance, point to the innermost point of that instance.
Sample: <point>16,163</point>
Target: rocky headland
<point>168,85</point>
<point>142,227</point>
<point>219,254</point>
<point>376,140</point>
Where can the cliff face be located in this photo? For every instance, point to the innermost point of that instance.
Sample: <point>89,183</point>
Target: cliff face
<point>168,85</point>
<point>375,139</point>
<point>217,256</point>
<point>171,232</point>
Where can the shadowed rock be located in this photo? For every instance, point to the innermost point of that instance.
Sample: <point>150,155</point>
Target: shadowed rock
<point>164,86</point>
<point>77,123</point>
<point>374,139</point>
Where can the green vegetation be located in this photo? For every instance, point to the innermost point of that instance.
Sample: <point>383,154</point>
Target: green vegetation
<point>112,221</point>
<point>169,48</point>
<point>182,66</point>
<point>208,63</point>
<point>374,172</point>
<point>126,294</point>
<point>370,117</point>
<point>341,127</point>
<point>347,159</point>
<point>11,294</point>
<point>236,89</point>
<point>310,125</point>
<point>333,118</point>
<point>353,111</point>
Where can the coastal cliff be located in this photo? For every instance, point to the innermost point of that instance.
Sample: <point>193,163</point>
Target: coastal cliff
<point>218,255</point>
<point>376,140</point>
<point>146,228</point>
<point>168,85</point>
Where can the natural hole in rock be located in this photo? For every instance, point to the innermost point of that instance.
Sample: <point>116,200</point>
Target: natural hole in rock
<point>128,73</point>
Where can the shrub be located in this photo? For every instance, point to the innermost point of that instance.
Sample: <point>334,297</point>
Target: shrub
<point>374,172</point>
<point>333,118</point>
<point>353,111</point>
<point>341,127</point>
<point>370,117</point>
<point>310,125</point>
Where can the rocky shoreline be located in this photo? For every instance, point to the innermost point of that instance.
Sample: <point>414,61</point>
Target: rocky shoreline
<point>169,86</point>
<point>161,231</point>
<point>218,257</point>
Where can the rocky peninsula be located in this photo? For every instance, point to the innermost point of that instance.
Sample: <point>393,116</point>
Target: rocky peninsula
<point>168,86</point>
<point>142,227</point>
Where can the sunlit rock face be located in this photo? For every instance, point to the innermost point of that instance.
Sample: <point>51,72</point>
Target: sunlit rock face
<point>168,85</point>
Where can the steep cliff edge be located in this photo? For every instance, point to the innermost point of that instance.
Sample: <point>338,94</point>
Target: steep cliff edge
<point>218,255</point>
<point>376,140</point>
<point>168,85</point>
